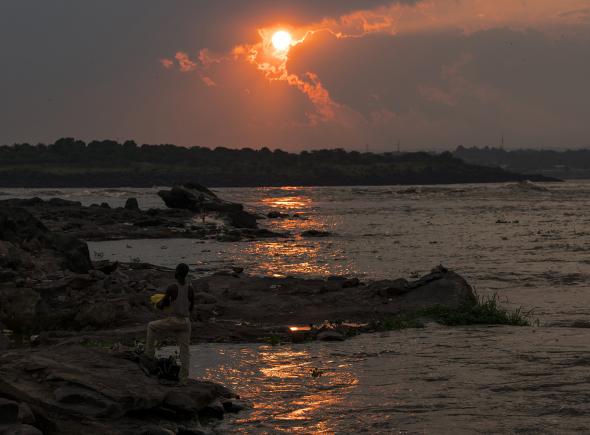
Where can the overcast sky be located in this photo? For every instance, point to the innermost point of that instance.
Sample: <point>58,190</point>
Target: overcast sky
<point>430,74</point>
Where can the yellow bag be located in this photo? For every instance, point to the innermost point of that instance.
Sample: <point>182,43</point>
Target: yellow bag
<point>155,299</point>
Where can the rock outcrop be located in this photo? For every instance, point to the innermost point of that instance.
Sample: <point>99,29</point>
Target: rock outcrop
<point>440,287</point>
<point>199,199</point>
<point>23,237</point>
<point>70,390</point>
<point>102,222</point>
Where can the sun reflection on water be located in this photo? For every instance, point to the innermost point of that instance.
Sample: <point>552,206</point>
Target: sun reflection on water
<point>289,258</point>
<point>282,393</point>
<point>289,202</point>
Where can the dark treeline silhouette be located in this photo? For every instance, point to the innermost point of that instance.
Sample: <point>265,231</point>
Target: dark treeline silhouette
<point>561,164</point>
<point>73,163</point>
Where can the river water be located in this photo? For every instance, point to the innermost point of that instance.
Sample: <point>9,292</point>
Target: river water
<point>529,245</point>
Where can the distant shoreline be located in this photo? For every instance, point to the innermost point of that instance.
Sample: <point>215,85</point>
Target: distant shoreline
<point>73,163</point>
<point>36,180</point>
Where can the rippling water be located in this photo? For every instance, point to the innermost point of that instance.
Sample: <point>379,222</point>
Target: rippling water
<point>436,380</point>
<point>531,247</point>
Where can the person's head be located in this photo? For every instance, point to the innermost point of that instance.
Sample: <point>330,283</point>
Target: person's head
<point>181,272</point>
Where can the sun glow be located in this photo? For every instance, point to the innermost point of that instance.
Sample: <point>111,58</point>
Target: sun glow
<point>282,40</point>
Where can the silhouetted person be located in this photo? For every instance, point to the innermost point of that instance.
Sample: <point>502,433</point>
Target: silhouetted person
<point>179,297</point>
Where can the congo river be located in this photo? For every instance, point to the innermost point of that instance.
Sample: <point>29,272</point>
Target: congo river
<point>529,244</point>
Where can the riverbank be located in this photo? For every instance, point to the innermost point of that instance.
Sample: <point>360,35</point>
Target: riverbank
<point>194,212</point>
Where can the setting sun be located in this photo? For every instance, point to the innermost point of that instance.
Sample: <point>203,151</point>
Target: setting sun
<point>282,40</point>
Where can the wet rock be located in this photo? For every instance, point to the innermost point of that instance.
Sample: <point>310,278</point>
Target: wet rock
<point>131,204</point>
<point>276,215</point>
<point>315,233</point>
<point>233,406</point>
<point>328,335</point>
<point>105,205</point>
<point>242,219</point>
<point>197,198</point>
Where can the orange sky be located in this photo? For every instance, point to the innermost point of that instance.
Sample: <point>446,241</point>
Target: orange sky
<point>433,74</point>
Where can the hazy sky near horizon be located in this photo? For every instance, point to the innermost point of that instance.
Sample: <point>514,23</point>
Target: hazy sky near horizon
<point>432,74</point>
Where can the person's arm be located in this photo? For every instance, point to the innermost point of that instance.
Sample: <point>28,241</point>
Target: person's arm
<point>171,294</point>
<point>191,297</point>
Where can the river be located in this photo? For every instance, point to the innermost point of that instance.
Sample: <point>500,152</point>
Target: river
<point>528,244</point>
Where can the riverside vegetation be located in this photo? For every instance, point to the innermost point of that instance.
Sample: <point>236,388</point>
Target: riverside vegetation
<point>74,163</point>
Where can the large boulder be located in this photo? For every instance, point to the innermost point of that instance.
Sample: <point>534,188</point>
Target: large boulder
<point>72,390</point>
<point>197,198</point>
<point>242,219</point>
<point>440,287</point>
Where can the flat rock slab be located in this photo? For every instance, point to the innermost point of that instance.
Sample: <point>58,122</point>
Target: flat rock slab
<point>75,389</point>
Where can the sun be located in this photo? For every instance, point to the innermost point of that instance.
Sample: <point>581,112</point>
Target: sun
<point>282,40</point>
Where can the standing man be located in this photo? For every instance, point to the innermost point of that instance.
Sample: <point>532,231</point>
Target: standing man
<point>180,298</point>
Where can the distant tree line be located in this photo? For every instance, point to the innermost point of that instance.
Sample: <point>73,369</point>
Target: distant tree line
<point>71,162</point>
<point>563,164</point>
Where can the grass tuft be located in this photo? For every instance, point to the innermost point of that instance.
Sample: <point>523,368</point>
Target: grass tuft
<point>486,311</point>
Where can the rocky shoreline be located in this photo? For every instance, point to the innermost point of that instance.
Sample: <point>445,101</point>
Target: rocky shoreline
<point>72,325</point>
<point>188,204</point>
<point>69,390</point>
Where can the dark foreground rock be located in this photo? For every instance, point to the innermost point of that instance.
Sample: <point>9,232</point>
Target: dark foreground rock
<point>67,390</point>
<point>98,308</point>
